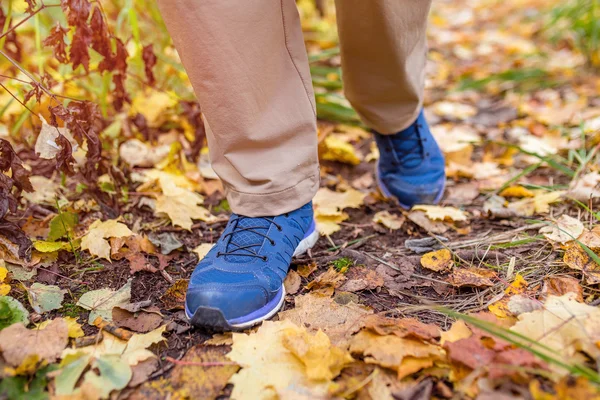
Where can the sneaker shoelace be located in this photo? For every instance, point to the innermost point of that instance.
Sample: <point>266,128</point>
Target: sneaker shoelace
<point>408,147</point>
<point>247,237</point>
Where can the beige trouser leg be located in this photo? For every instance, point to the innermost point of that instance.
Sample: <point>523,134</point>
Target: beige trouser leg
<point>383,44</point>
<point>248,65</point>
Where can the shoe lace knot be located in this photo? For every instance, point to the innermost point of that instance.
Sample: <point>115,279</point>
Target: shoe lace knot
<point>247,237</point>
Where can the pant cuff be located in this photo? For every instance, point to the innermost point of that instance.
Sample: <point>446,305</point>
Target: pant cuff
<point>272,204</point>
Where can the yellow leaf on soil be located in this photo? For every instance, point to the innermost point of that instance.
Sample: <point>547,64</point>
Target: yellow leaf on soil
<point>329,205</point>
<point>181,205</point>
<point>438,261</point>
<point>500,308</point>
<point>472,277</point>
<point>565,326</point>
<point>74,327</point>
<point>17,342</point>
<point>292,358</point>
<point>335,148</point>
<point>437,213</point>
<point>202,250</point>
<point>4,288</point>
<point>458,331</point>
<point>152,104</point>
<point>577,258</point>
<point>95,239</point>
<point>390,221</point>
<point>539,204</point>
<point>516,191</point>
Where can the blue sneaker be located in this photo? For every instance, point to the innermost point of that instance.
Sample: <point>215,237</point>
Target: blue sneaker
<point>239,283</point>
<point>411,165</point>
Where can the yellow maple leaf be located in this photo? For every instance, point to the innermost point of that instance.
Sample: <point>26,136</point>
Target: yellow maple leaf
<point>335,148</point>
<point>540,203</point>
<point>152,104</point>
<point>181,205</point>
<point>95,239</point>
<point>329,206</point>
<point>292,357</point>
<point>438,261</point>
<point>389,220</point>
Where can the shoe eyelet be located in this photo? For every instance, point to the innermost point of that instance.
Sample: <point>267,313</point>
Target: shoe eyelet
<point>265,258</point>
<point>279,229</point>
<point>218,254</point>
<point>287,215</point>
<point>272,243</point>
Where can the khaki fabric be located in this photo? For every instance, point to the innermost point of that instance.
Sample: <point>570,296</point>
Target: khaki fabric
<point>248,65</point>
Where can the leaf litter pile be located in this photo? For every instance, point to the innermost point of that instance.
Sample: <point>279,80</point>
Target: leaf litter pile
<point>108,201</point>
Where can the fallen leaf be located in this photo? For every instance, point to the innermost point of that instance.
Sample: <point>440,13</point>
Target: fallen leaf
<point>330,278</point>
<point>459,330</point>
<point>403,355</point>
<point>95,239</point>
<point>202,250</point>
<point>473,277</point>
<point>501,308</point>
<point>166,241</point>
<point>44,298</point>
<point>565,326</point>
<point>113,374</point>
<point>586,187</point>
<point>101,302</point>
<point>62,225</point>
<point>174,297</point>
<point>4,287</point>
<point>137,153</point>
<point>316,312</point>
<point>12,312</point>
<point>362,278</point>
<point>560,285</point>
<point>198,381</point>
<point>292,282</point>
<point>17,342</point>
<point>328,207</point>
<point>335,148</point>
<point>390,221</point>
<point>539,204</point>
<point>73,326</point>
<point>153,105</point>
<point>298,369</point>
<point>577,258</point>
<point>181,205</point>
<point>306,270</point>
<point>517,191</point>
<point>420,219</point>
<point>138,321</point>
<point>45,191</point>
<point>437,213</point>
<point>401,327</point>
<point>454,110</point>
<point>438,261</point>
<point>564,230</point>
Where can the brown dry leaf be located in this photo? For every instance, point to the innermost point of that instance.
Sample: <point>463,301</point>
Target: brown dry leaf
<point>565,326</point>
<point>437,213</point>
<point>17,343</point>
<point>362,278</point>
<point>390,221</point>
<point>220,339</point>
<point>401,327</point>
<point>330,278</point>
<point>95,239</point>
<point>316,312</point>
<point>472,277</point>
<point>564,230</point>
<point>142,371</point>
<point>438,261</point>
<point>288,370</point>
<point>560,285</point>
<point>576,258</point>
<point>46,146</point>
<point>307,269</point>
<point>292,282</point>
<point>139,321</point>
<point>200,382</point>
<point>405,356</point>
<point>137,153</point>
<point>174,297</point>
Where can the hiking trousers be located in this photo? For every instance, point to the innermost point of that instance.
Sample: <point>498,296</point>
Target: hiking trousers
<point>248,65</point>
